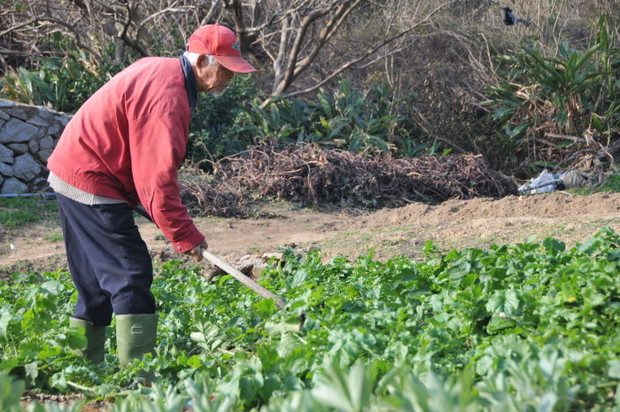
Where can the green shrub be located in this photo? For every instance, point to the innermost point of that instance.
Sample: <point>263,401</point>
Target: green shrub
<point>348,118</point>
<point>213,130</point>
<point>63,84</point>
<point>561,102</point>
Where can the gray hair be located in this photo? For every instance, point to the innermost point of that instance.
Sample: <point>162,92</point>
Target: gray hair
<point>193,58</point>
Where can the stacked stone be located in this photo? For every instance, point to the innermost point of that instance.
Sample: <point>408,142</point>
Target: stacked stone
<point>28,134</point>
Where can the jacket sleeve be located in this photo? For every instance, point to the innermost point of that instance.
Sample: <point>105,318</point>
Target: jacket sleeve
<point>157,145</point>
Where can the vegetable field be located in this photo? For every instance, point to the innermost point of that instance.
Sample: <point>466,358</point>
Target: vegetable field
<point>529,327</point>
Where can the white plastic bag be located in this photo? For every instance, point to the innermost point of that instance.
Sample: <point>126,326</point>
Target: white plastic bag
<point>544,182</point>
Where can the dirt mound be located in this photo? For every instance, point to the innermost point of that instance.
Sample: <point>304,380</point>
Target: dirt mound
<point>552,205</point>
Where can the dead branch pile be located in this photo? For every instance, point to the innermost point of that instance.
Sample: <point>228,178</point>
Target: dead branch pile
<point>211,199</point>
<point>314,176</point>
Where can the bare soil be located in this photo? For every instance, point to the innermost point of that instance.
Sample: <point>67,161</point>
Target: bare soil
<point>478,223</point>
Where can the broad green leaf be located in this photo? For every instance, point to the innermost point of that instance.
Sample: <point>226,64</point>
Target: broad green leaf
<point>76,340</point>
<point>503,303</point>
<point>8,364</point>
<point>5,319</point>
<point>554,246</point>
<point>499,324</point>
<point>32,370</point>
<point>614,368</point>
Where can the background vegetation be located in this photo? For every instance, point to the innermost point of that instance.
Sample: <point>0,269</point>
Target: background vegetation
<point>404,76</point>
<point>15,212</point>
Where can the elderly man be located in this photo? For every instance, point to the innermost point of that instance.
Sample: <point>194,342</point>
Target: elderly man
<point>122,149</point>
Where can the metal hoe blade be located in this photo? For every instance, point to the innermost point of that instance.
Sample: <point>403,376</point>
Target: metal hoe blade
<point>228,268</point>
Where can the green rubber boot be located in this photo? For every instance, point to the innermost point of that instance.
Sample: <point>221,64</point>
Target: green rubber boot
<point>135,336</point>
<point>95,338</point>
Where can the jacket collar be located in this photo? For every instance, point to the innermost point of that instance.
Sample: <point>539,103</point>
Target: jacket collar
<point>190,83</point>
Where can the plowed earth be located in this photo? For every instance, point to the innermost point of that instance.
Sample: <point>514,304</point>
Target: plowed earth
<point>478,223</point>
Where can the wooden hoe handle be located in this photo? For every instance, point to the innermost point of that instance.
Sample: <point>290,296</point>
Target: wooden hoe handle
<point>228,268</point>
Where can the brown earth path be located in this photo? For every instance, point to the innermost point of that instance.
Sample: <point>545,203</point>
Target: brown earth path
<point>453,224</point>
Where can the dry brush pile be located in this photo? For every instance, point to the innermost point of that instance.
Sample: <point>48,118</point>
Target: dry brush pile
<point>314,176</point>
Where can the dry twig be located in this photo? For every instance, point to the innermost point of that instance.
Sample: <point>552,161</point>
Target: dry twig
<point>315,176</point>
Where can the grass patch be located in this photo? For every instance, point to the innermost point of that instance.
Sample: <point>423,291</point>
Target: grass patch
<point>611,185</point>
<point>56,237</point>
<point>16,212</point>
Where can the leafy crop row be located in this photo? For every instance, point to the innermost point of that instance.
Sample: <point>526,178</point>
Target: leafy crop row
<point>534,326</point>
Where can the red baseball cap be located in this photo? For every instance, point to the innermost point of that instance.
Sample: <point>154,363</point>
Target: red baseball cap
<point>221,43</point>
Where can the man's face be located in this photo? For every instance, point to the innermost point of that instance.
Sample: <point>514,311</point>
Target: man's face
<point>223,78</point>
<point>212,78</point>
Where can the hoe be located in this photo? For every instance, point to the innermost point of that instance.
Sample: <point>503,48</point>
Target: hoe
<point>231,270</point>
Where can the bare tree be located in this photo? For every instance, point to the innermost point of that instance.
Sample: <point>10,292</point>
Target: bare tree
<point>93,25</point>
<point>292,34</point>
<point>298,39</point>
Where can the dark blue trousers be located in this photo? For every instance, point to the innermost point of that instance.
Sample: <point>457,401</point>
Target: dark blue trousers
<point>108,260</point>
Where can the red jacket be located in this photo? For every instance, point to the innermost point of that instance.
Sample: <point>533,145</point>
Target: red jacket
<point>127,142</point>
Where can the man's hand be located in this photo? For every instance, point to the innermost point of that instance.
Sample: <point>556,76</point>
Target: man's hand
<point>197,251</point>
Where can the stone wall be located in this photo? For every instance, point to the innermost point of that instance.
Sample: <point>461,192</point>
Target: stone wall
<point>28,134</point>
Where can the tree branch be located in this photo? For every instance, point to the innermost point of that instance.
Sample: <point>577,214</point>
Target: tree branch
<point>295,67</point>
<point>289,68</point>
<point>70,28</point>
<point>168,10</point>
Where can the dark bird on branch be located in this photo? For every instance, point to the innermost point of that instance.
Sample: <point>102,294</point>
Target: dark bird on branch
<point>510,19</point>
